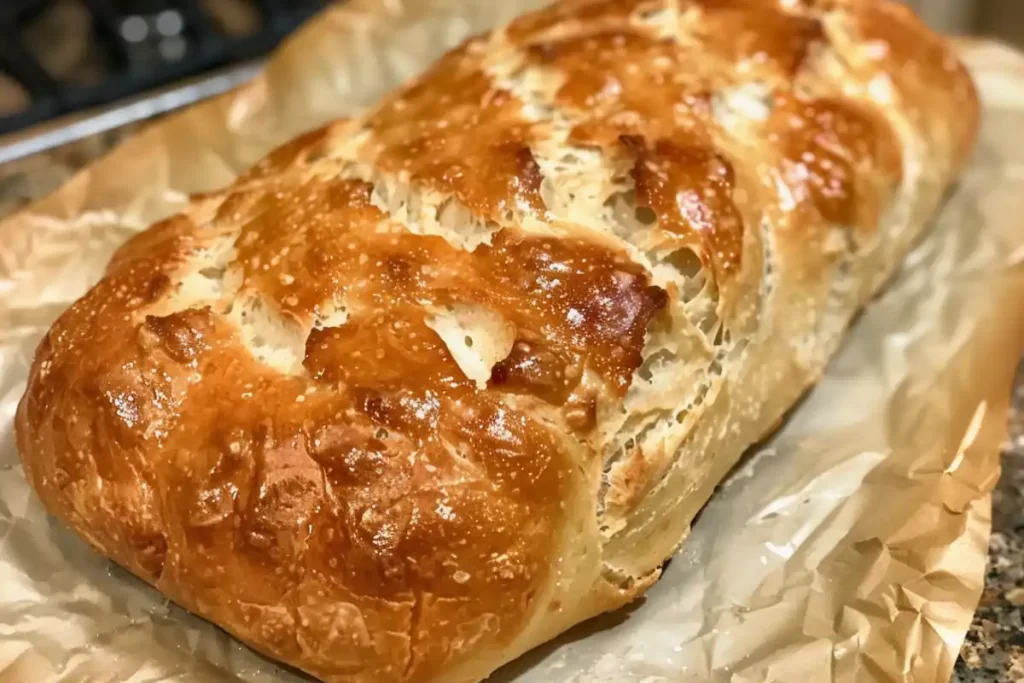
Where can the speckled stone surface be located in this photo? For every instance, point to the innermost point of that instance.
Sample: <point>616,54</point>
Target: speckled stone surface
<point>994,649</point>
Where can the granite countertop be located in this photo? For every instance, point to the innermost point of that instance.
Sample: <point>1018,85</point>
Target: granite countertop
<point>994,649</point>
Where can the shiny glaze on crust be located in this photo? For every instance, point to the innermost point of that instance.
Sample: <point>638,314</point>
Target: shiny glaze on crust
<point>838,156</point>
<point>330,498</point>
<point>629,90</point>
<point>572,15</point>
<point>635,95</point>
<point>589,306</point>
<point>689,188</point>
<point>915,59</point>
<point>458,133</point>
<point>758,32</point>
<point>338,485</point>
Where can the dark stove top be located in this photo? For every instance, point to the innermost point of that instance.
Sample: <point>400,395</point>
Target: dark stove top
<point>64,56</point>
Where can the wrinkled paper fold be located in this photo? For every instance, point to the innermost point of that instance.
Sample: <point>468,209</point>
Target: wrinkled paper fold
<point>849,547</point>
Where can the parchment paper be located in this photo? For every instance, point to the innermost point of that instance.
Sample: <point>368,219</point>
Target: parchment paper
<point>850,547</point>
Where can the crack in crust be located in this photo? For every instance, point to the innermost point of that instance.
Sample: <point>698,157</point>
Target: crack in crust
<point>427,387</point>
<point>640,113</point>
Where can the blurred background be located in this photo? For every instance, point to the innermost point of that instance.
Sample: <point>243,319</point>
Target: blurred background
<point>60,57</point>
<point>1003,19</point>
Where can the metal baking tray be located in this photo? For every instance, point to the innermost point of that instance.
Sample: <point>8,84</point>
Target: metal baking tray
<point>70,128</point>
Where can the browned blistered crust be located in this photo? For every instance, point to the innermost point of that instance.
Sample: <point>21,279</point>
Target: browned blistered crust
<point>427,387</point>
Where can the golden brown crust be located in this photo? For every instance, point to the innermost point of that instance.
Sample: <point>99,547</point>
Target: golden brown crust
<point>932,82</point>
<point>425,388</point>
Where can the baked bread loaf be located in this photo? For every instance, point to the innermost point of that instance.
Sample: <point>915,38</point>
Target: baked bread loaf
<point>426,388</point>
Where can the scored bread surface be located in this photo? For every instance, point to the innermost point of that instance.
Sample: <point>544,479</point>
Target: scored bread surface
<point>425,388</point>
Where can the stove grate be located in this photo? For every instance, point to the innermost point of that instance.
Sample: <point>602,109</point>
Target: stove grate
<point>142,45</point>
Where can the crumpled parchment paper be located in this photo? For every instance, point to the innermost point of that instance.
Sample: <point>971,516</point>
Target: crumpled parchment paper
<point>850,547</point>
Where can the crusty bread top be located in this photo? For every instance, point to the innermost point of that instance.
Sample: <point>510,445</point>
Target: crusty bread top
<point>395,390</point>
